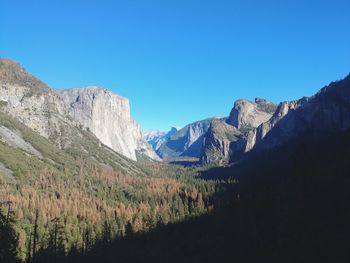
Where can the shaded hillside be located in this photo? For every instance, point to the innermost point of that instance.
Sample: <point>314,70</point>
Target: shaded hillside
<point>326,111</point>
<point>291,205</point>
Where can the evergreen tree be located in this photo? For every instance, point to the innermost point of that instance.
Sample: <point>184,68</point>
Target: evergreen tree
<point>8,238</point>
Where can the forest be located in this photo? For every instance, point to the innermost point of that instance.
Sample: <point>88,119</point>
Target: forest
<point>50,213</point>
<point>289,204</point>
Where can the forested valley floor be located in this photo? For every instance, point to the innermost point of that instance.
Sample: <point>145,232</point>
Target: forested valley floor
<point>290,204</point>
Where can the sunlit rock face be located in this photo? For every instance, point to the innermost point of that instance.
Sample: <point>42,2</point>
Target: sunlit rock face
<point>33,103</point>
<point>218,142</point>
<point>248,114</point>
<point>226,139</point>
<point>107,115</point>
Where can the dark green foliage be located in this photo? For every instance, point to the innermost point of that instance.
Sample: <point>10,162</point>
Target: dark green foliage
<point>97,194</point>
<point>8,237</point>
<point>291,206</point>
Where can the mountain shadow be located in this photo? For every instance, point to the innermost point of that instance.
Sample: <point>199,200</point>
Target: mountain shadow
<point>291,204</point>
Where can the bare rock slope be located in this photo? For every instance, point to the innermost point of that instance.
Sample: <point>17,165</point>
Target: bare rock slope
<point>33,103</point>
<point>37,106</point>
<point>326,112</point>
<point>227,137</point>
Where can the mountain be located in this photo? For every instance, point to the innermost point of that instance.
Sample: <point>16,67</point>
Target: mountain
<point>325,112</point>
<point>50,112</point>
<point>107,115</point>
<point>225,136</point>
<point>218,140</point>
<point>156,138</point>
<point>186,142</point>
<point>33,103</point>
<point>35,119</point>
<point>60,185</point>
<point>212,141</point>
<point>288,200</point>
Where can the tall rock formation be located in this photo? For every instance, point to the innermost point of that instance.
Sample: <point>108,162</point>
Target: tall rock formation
<point>226,137</point>
<point>217,147</point>
<point>41,108</point>
<point>216,140</point>
<point>107,115</point>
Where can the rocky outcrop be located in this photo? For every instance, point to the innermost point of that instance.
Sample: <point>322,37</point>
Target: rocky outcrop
<point>107,115</point>
<point>33,103</point>
<point>15,139</point>
<point>218,142</point>
<point>226,139</point>
<point>186,142</point>
<point>251,138</point>
<point>247,114</point>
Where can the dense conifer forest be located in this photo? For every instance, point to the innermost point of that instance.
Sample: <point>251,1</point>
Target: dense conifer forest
<point>290,206</point>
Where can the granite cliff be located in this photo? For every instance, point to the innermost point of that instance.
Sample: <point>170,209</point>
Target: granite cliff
<point>226,137</point>
<point>51,113</point>
<point>107,115</point>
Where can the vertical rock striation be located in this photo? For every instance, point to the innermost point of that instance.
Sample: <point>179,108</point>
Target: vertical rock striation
<point>226,139</point>
<point>107,115</point>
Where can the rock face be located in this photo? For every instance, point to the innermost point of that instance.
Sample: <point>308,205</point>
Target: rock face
<point>15,139</point>
<point>227,138</point>
<point>156,138</point>
<point>326,112</point>
<point>186,142</point>
<point>247,114</point>
<point>42,109</point>
<point>218,141</point>
<point>107,115</point>
<point>252,137</point>
<point>33,103</point>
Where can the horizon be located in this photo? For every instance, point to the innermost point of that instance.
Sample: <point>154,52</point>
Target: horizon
<point>180,62</point>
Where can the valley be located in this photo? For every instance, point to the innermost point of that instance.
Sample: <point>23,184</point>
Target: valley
<point>81,182</point>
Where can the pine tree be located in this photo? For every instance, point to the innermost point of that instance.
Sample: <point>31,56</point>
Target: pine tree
<point>8,238</point>
<point>35,235</point>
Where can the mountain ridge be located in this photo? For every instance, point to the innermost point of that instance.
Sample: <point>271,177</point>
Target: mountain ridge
<point>41,108</point>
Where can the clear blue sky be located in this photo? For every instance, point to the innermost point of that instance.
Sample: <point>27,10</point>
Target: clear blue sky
<point>184,60</point>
